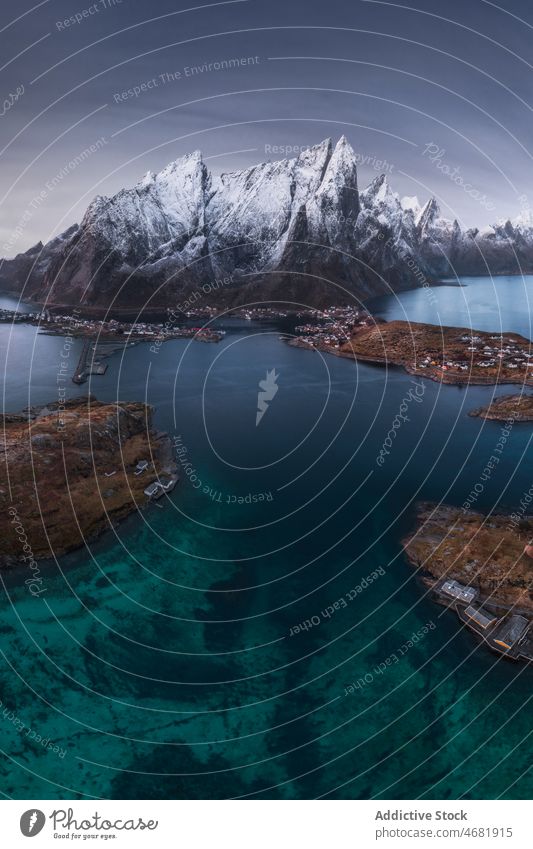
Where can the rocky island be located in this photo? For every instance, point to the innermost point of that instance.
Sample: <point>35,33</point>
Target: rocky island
<point>70,471</point>
<point>519,408</point>
<point>480,566</point>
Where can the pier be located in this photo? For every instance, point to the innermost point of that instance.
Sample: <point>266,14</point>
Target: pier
<point>80,375</point>
<point>87,365</point>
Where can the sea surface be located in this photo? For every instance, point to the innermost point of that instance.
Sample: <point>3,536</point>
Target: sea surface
<point>253,637</point>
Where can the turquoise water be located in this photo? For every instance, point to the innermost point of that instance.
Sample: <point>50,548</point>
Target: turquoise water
<point>168,660</point>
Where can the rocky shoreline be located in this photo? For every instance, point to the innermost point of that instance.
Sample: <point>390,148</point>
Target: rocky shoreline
<point>519,408</point>
<point>70,472</point>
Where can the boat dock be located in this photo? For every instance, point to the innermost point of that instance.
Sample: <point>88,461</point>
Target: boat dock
<point>510,634</point>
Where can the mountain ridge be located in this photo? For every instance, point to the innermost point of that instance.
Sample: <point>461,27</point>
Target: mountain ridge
<point>295,229</point>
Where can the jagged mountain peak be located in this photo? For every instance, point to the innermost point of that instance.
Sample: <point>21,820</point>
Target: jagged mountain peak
<point>343,149</point>
<point>379,196</point>
<point>343,156</point>
<point>184,164</point>
<point>429,214</point>
<point>317,155</point>
<point>324,146</point>
<point>384,191</point>
<point>378,186</point>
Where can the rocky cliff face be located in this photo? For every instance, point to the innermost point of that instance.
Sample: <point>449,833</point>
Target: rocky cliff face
<point>26,272</point>
<point>296,229</point>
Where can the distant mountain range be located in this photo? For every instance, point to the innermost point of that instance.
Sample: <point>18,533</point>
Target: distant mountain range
<point>294,230</point>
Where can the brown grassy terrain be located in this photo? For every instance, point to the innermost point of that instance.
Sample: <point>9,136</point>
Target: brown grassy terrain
<point>517,407</point>
<point>442,353</point>
<point>484,552</point>
<point>52,473</point>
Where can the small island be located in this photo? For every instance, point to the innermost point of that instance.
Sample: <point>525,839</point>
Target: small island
<point>519,408</point>
<point>70,471</point>
<point>452,355</point>
<point>481,567</point>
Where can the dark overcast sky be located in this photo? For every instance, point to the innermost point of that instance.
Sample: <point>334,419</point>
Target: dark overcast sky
<point>394,78</point>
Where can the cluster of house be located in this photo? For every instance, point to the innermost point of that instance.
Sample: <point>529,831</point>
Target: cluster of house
<point>93,326</point>
<point>506,353</point>
<point>14,317</point>
<point>198,312</point>
<point>157,488</point>
<point>75,324</point>
<point>333,327</point>
<point>510,634</point>
<point>249,313</point>
<point>261,313</point>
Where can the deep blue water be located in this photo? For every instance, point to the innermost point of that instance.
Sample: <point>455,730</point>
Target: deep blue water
<point>161,658</point>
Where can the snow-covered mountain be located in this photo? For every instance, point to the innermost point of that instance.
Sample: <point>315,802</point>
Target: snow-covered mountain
<point>294,230</point>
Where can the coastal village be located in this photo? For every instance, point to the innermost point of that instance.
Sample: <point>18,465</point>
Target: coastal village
<point>447,354</point>
<point>495,352</point>
<point>452,355</point>
<point>113,328</point>
<point>75,325</point>
<point>331,328</point>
